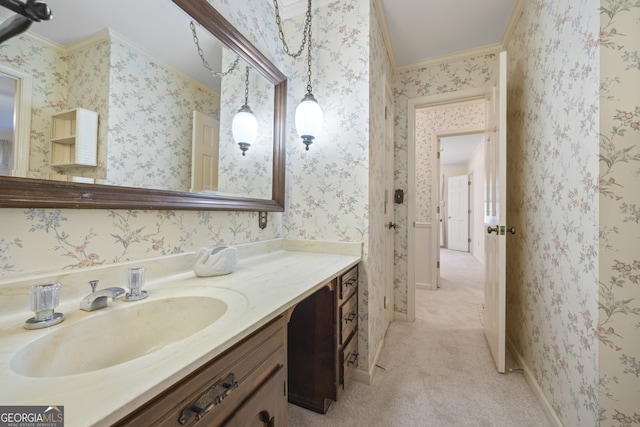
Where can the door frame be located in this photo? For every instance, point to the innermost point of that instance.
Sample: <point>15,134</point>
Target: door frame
<point>389,261</point>
<point>415,104</point>
<point>22,120</point>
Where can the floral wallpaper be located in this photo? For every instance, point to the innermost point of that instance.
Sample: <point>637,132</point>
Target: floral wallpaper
<point>328,194</point>
<point>552,134</point>
<point>49,71</point>
<point>434,79</point>
<point>552,201</point>
<point>137,99</point>
<point>89,70</point>
<point>428,122</point>
<point>572,268</point>
<point>68,239</point>
<point>380,76</point>
<point>251,174</point>
<point>329,189</point>
<point>151,108</point>
<point>619,258</point>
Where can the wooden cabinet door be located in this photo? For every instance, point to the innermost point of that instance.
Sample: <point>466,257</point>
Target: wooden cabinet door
<point>267,407</point>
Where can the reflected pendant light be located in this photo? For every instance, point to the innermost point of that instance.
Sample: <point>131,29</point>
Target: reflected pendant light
<point>245,125</point>
<point>308,112</point>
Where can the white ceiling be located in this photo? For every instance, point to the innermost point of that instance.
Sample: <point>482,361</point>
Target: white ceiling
<point>144,22</point>
<point>459,150</point>
<point>415,30</point>
<point>423,30</point>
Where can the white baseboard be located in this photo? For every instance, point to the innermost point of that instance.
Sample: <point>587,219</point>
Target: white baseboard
<point>424,286</point>
<point>551,415</point>
<point>402,317</point>
<point>364,376</point>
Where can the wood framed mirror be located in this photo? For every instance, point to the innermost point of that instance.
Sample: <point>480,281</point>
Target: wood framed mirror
<point>41,193</point>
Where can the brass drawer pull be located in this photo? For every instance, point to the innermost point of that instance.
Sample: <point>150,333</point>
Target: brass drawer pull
<point>351,316</point>
<point>209,400</point>
<point>350,282</point>
<point>353,359</point>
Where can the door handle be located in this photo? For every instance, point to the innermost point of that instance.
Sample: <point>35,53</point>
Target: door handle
<point>496,229</point>
<point>391,225</point>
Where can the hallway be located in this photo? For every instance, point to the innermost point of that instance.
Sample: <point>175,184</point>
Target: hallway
<point>436,371</point>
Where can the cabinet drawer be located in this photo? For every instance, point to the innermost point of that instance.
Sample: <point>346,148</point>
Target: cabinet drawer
<point>348,318</point>
<point>251,362</point>
<point>267,406</point>
<point>349,360</point>
<point>348,284</point>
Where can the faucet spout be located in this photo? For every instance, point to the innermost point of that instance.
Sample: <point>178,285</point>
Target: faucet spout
<point>98,299</point>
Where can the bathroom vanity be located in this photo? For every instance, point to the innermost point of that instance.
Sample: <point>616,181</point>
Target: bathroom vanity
<point>245,384</point>
<point>238,359</point>
<point>323,343</point>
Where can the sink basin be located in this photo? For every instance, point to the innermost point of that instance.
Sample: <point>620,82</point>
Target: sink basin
<point>109,338</point>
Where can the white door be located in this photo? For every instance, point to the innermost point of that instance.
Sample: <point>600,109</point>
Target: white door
<point>389,250</point>
<point>204,153</point>
<point>458,212</point>
<point>495,216</point>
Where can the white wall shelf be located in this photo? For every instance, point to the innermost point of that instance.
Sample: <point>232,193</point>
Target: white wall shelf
<point>74,138</point>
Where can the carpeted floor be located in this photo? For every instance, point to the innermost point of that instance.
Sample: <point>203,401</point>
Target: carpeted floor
<point>438,370</point>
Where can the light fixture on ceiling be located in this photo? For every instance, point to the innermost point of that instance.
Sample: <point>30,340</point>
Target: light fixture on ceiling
<point>245,125</point>
<point>308,112</point>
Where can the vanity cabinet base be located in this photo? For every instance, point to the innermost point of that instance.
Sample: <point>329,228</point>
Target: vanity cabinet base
<point>312,354</point>
<point>323,343</point>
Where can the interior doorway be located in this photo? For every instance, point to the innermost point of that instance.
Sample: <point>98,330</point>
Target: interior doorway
<point>461,249</point>
<point>433,119</point>
<point>461,198</point>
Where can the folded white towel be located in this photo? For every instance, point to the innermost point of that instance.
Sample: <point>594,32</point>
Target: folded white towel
<point>215,261</point>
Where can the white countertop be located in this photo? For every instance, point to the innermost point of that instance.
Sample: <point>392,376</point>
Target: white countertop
<point>262,287</point>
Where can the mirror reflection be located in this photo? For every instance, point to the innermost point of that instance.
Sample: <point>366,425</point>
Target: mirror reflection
<point>161,121</point>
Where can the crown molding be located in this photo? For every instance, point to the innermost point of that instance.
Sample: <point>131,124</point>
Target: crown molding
<point>481,51</point>
<point>386,35</point>
<point>292,8</point>
<point>513,21</point>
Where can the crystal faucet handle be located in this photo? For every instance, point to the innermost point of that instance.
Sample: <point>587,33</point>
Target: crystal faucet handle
<point>44,296</point>
<point>43,299</point>
<point>135,280</point>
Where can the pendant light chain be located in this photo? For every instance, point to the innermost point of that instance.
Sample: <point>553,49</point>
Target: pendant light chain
<point>246,87</point>
<point>204,61</point>
<point>306,39</point>
<point>306,33</point>
<point>308,116</point>
<point>309,90</point>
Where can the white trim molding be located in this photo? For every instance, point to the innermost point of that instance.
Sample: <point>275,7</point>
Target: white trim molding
<point>414,104</point>
<point>364,376</point>
<point>513,20</point>
<point>551,415</point>
<point>481,51</point>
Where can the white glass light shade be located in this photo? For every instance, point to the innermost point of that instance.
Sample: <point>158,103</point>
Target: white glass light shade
<point>244,128</point>
<point>308,119</point>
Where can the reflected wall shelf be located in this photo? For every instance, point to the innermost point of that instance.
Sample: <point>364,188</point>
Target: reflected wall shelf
<point>74,138</point>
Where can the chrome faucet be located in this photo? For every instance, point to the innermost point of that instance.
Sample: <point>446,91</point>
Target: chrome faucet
<point>98,299</point>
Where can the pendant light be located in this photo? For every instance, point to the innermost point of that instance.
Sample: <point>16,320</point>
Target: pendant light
<point>245,125</point>
<point>308,113</point>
